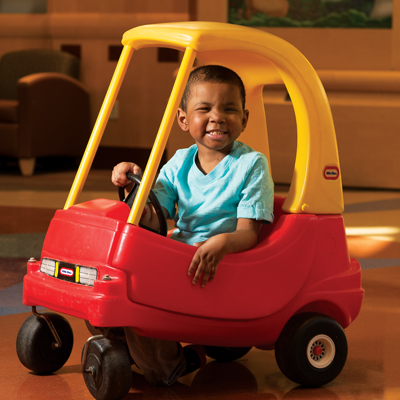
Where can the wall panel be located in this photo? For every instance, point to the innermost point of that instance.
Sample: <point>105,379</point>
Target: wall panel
<point>94,26</point>
<point>118,6</point>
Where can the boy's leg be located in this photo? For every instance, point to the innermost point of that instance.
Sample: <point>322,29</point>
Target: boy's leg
<point>161,361</point>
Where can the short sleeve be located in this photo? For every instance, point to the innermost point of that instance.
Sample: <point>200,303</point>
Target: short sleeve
<point>165,191</point>
<point>257,196</point>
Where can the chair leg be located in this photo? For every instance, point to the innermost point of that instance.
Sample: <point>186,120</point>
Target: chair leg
<point>27,166</point>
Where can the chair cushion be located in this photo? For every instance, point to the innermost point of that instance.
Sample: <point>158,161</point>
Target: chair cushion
<point>8,110</point>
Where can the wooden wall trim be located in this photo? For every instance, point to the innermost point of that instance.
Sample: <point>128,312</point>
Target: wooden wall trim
<point>360,81</point>
<point>24,26</point>
<point>105,26</point>
<point>340,48</point>
<point>107,157</point>
<point>87,26</point>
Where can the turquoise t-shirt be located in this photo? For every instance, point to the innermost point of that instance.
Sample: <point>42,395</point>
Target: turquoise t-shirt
<point>240,186</point>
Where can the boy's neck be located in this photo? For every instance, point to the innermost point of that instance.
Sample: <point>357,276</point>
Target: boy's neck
<point>207,159</point>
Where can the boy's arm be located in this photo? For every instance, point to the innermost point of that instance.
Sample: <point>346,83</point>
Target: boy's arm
<point>118,178</point>
<point>149,217</point>
<point>212,251</point>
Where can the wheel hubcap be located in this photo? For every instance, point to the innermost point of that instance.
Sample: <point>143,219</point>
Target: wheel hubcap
<point>321,351</point>
<point>93,371</point>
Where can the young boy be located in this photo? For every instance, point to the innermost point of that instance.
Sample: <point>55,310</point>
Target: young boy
<point>221,187</point>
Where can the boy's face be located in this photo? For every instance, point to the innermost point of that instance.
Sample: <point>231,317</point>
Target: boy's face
<point>214,117</point>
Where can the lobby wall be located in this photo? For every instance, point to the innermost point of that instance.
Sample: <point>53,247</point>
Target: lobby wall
<point>359,68</point>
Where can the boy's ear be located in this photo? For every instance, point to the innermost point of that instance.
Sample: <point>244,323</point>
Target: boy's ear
<point>245,119</point>
<point>182,121</point>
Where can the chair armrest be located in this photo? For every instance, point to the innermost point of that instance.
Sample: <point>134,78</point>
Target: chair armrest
<point>54,115</point>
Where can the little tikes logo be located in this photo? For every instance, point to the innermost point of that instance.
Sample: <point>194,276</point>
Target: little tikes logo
<point>66,271</point>
<point>331,173</point>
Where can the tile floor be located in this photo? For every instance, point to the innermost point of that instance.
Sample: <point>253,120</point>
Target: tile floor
<point>372,370</point>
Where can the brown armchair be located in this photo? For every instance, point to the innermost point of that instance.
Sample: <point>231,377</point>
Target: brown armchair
<point>44,109</point>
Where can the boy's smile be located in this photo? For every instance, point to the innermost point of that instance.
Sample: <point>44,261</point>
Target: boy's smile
<point>214,117</point>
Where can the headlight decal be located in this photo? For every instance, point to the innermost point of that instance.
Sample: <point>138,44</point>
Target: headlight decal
<point>69,272</point>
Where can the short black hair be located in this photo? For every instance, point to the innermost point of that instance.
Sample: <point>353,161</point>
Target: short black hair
<point>212,74</point>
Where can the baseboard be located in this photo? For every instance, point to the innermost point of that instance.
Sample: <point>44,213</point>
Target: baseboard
<point>108,157</point>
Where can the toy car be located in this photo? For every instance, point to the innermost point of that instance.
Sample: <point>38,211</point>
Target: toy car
<point>294,292</point>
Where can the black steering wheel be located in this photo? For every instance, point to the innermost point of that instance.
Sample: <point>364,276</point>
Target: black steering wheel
<point>153,200</point>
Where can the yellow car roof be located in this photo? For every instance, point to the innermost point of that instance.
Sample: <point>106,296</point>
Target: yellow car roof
<point>261,58</point>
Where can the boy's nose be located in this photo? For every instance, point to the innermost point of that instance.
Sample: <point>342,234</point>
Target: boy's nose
<point>217,117</point>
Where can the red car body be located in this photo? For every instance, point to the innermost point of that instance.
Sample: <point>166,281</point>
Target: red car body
<point>300,264</point>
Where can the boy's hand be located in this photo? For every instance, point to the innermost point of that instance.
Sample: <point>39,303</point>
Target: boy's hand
<point>118,175</point>
<point>210,253</point>
<point>206,259</point>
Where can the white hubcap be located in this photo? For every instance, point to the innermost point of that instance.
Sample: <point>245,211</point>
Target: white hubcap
<point>321,351</point>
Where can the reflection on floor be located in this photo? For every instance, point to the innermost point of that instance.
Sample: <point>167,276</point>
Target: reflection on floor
<point>372,370</point>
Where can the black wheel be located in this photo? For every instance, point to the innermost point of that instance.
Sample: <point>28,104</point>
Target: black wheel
<point>311,349</point>
<point>225,354</point>
<point>37,348</point>
<point>153,199</point>
<point>108,374</point>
